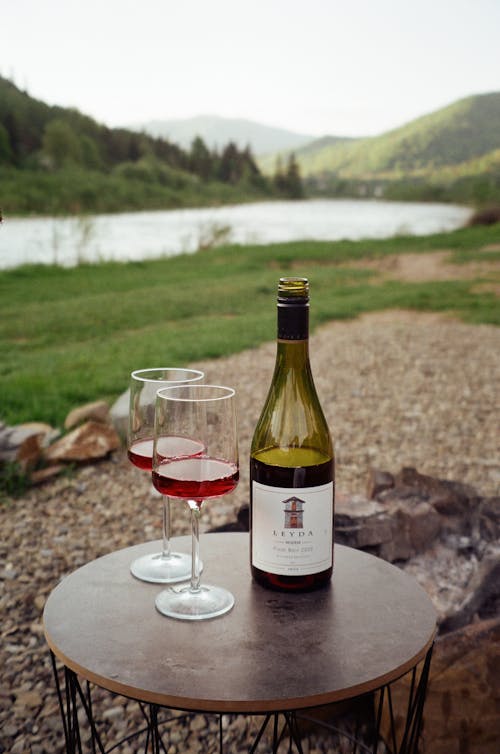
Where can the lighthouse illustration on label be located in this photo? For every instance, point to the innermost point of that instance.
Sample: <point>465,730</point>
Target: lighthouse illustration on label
<point>294,513</point>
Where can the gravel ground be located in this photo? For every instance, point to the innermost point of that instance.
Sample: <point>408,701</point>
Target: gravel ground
<point>398,389</point>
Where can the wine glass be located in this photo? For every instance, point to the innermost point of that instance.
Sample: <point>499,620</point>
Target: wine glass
<point>166,566</point>
<point>205,414</point>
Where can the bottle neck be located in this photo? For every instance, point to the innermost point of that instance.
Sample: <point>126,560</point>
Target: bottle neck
<point>293,354</point>
<point>293,322</point>
<point>293,336</point>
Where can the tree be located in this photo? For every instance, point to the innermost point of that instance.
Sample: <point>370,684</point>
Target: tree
<point>13,129</point>
<point>229,170</point>
<point>5,150</point>
<point>200,159</point>
<point>293,182</point>
<point>61,144</point>
<point>288,181</point>
<point>279,177</point>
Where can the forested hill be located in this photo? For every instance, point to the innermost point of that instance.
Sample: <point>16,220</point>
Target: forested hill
<point>467,129</point>
<point>32,132</point>
<point>55,159</point>
<point>452,153</point>
<point>58,160</point>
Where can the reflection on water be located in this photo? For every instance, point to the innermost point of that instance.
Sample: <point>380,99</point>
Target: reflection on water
<point>143,235</point>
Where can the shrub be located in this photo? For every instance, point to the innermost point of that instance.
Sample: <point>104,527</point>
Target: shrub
<point>486,216</point>
<point>13,480</point>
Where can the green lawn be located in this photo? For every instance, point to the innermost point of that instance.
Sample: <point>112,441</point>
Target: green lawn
<point>68,336</point>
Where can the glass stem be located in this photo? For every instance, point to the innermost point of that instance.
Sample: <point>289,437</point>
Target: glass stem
<point>166,551</point>
<point>195,547</point>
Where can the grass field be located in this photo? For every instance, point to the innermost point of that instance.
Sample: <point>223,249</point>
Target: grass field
<point>68,336</point>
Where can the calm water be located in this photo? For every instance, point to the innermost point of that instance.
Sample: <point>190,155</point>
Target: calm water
<point>146,235</point>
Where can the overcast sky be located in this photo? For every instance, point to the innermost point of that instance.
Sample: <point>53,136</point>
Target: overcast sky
<point>353,67</point>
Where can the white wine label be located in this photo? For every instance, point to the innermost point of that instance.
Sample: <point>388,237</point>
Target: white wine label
<point>292,529</point>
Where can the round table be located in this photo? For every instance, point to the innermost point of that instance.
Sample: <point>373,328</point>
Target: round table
<point>273,652</point>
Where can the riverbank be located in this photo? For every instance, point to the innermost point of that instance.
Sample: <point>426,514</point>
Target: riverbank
<point>141,187</point>
<point>70,336</point>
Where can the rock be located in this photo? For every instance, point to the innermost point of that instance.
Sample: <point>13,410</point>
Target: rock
<point>462,707</point>
<point>244,517</point>
<point>19,432</point>
<point>23,442</point>
<point>488,519</point>
<point>29,452</point>
<point>483,594</point>
<point>447,497</point>
<point>242,522</point>
<point>9,730</point>
<point>113,713</point>
<point>39,476</point>
<point>97,411</point>
<point>119,413</point>
<point>19,747</point>
<point>378,481</point>
<point>414,526</point>
<point>29,699</point>
<point>39,602</point>
<point>362,523</point>
<point>89,441</point>
<point>393,531</point>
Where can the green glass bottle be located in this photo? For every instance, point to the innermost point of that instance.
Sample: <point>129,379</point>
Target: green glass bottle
<point>292,471</point>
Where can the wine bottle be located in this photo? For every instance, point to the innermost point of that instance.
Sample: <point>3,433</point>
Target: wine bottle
<point>292,463</point>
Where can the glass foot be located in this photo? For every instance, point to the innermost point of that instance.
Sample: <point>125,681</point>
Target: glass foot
<point>187,604</point>
<point>159,569</point>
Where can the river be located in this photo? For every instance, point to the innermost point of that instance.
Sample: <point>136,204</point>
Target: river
<point>146,235</point>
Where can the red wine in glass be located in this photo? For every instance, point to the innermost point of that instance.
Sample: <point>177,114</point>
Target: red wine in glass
<point>207,413</point>
<point>165,566</point>
<point>140,452</point>
<point>195,478</point>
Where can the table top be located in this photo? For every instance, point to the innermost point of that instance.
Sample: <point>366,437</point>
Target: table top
<point>272,652</point>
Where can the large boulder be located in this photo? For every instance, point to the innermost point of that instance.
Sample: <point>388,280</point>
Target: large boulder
<point>24,443</point>
<point>462,707</point>
<point>394,530</point>
<point>96,411</point>
<point>405,514</point>
<point>119,413</point>
<point>89,441</point>
<point>41,453</point>
<point>482,597</point>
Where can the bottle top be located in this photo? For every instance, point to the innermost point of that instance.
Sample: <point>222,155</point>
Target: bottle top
<point>293,309</point>
<point>293,290</point>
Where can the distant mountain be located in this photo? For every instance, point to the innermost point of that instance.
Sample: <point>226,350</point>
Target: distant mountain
<point>216,132</point>
<point>306,154</point>
<point>463,131</point>
<point>325,141</point>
